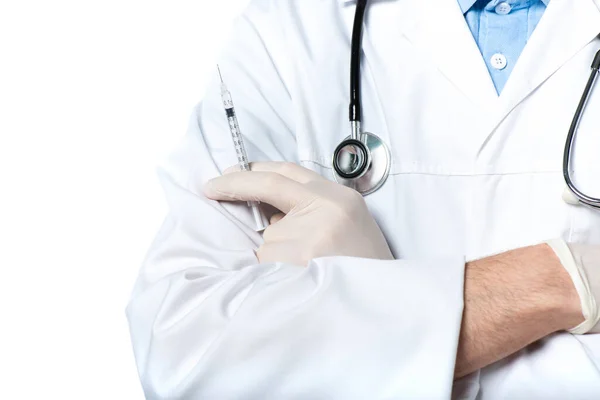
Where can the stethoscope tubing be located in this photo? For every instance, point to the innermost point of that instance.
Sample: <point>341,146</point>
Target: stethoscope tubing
<point>568,153</point>
<point>357,30</point>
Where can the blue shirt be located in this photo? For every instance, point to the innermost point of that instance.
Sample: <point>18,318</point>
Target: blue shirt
<point>501,29</point>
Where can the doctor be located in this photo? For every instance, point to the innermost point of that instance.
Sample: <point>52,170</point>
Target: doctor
<point>434,286</point>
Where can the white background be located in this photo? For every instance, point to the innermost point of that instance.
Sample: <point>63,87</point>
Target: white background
<point>92,96</point>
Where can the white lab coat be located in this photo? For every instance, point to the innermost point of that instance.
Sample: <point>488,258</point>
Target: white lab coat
<point>473,174</point>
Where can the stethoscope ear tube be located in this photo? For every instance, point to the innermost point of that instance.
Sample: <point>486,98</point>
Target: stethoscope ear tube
<point>582,197</point>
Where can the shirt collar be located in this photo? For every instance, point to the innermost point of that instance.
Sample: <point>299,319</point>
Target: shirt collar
<point>465,5</point>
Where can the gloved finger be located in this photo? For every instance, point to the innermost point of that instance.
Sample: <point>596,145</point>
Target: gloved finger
<point>275,218</point>
<point>288,169</point>
<point>266,187</point>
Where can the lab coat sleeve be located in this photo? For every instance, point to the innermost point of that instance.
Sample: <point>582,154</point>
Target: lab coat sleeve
<point>208,321</point>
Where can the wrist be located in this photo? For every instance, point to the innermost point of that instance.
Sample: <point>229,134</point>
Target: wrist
<point>512,300</point>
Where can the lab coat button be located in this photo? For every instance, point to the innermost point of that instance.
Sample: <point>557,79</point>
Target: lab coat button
<point>498,61</point>
<point>503,8</point>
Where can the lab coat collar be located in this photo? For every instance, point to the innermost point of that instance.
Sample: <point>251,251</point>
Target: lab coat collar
<point>444,38</point>
<point>565,28</point>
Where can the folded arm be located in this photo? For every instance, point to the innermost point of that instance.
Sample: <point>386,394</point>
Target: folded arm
<point>511,299</point>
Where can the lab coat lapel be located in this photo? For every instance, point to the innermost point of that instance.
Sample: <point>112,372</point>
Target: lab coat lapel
<point>439,30</point>
<point>442,32</point>
<point>565,28</point>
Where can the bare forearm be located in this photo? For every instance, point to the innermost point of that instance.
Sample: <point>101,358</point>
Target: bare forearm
<point>512,300</point>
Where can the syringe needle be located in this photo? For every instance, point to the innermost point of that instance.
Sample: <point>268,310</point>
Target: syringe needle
<point>220,76</point>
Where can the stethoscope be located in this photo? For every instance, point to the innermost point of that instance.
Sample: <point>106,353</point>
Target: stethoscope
<point>362,160</point>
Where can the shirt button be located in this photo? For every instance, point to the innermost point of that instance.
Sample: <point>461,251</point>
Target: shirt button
<point>498,61</point>
<point>503,8</point>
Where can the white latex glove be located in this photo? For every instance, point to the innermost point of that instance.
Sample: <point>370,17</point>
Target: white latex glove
<point>582,262</point>
<point>322,218</point>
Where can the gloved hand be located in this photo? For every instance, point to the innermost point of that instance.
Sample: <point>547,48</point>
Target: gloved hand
<point>582,262</point>
<point>321,218</point>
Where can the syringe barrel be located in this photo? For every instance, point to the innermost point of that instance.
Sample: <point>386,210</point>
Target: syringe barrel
<point>260,219</point>
<point>234,127</point>
<point>238,141</point>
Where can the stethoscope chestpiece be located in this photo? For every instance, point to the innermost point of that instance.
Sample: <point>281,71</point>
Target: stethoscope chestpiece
<point>351,159</point>
<point>362,164</point>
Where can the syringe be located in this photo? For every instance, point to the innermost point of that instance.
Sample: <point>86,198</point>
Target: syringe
<point>259,218</point>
